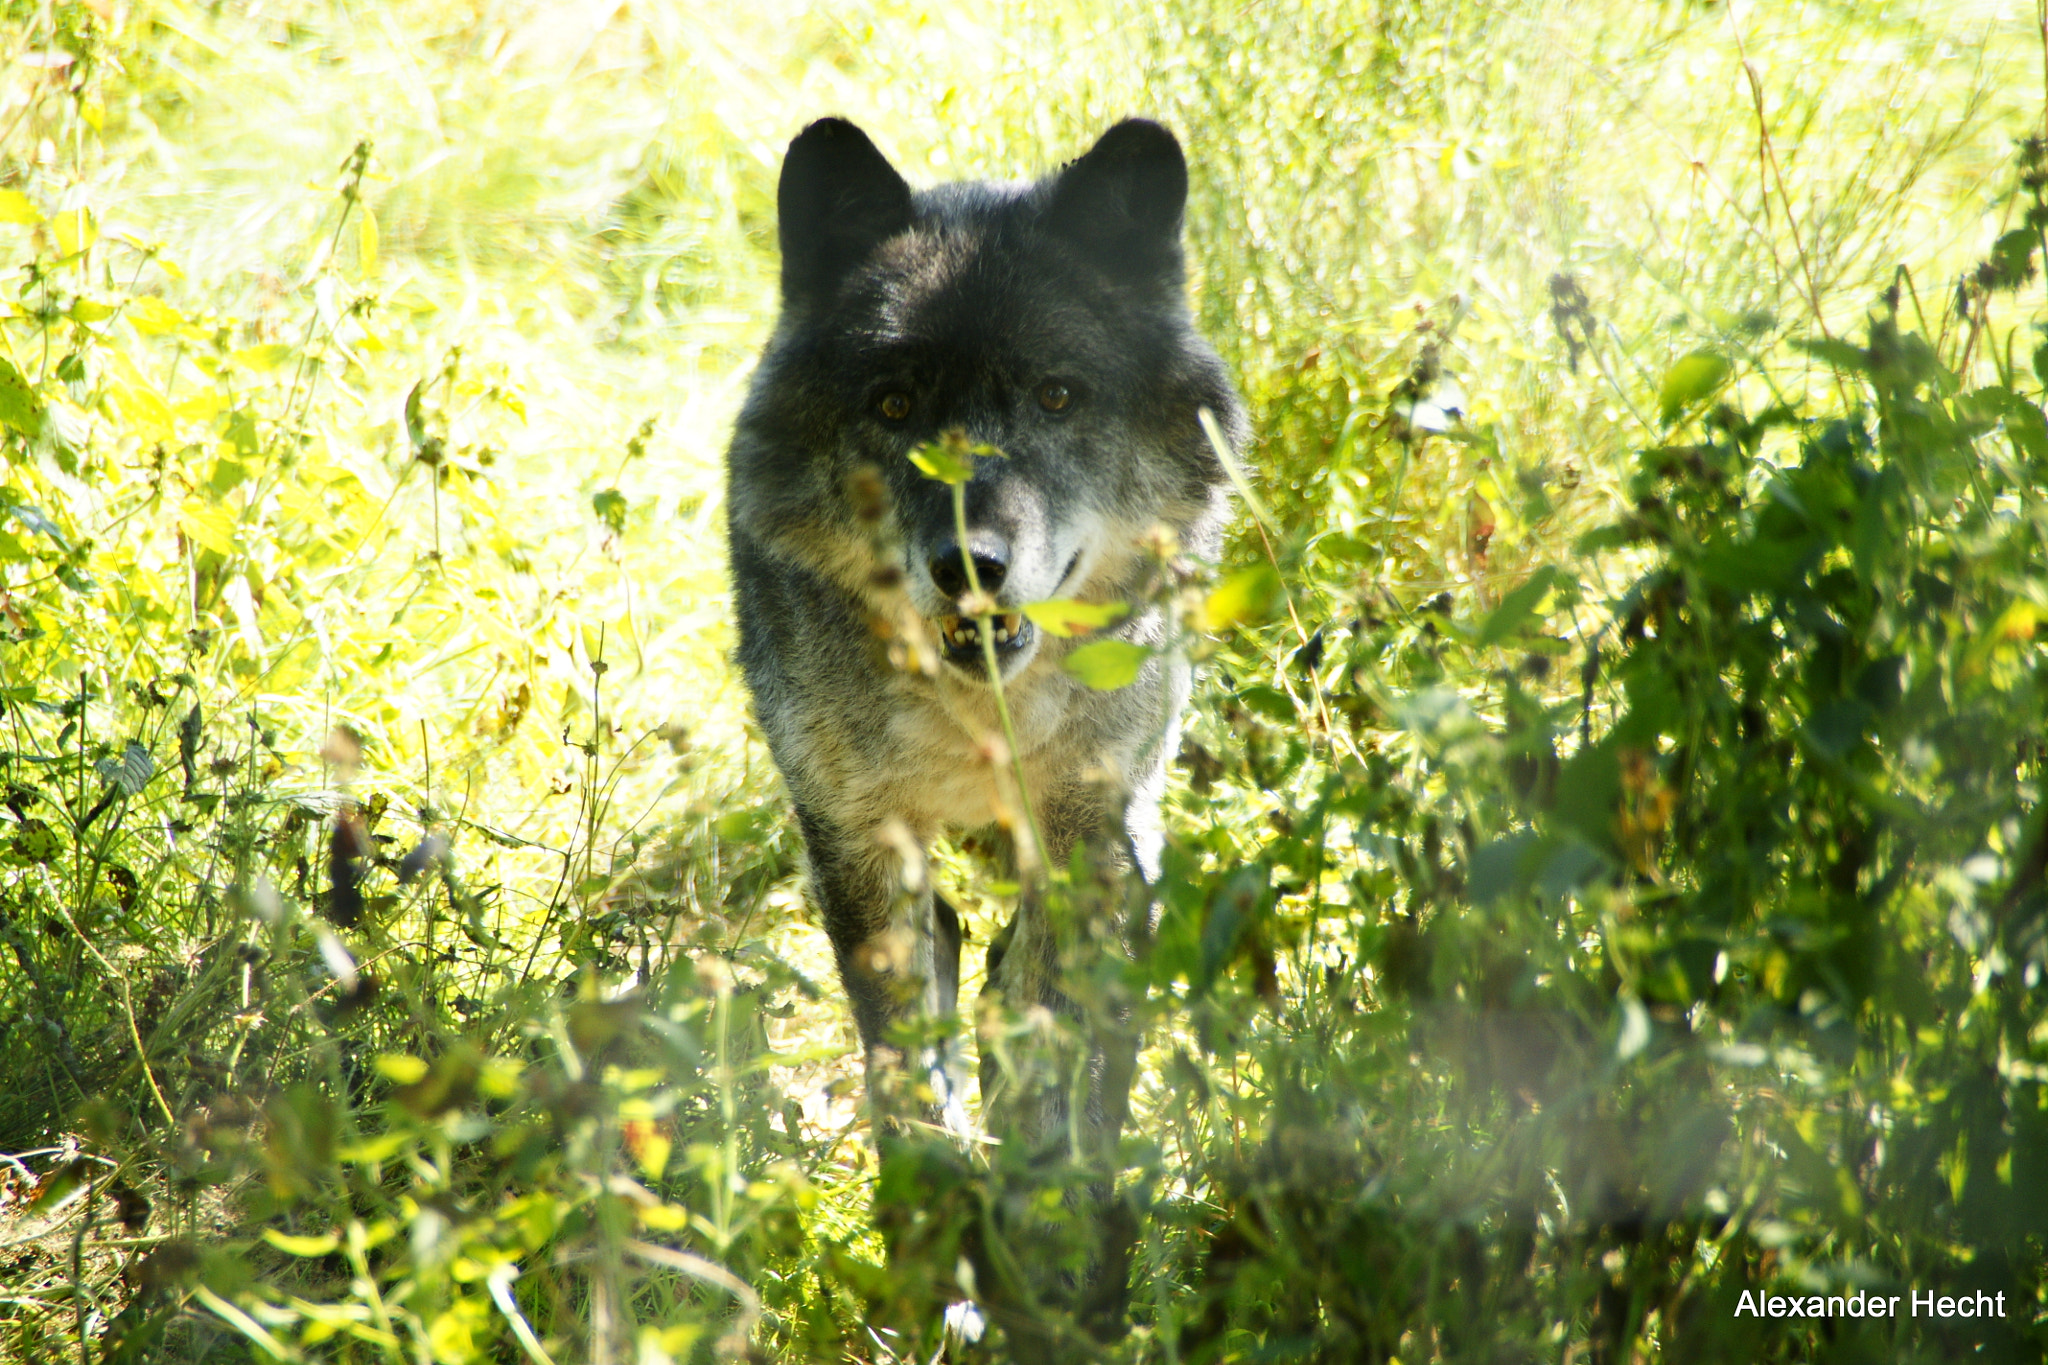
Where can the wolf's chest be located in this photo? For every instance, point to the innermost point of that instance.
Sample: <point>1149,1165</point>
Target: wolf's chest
<point>947,763</point>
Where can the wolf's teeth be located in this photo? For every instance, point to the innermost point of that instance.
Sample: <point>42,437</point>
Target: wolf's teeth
<point>964,632</point>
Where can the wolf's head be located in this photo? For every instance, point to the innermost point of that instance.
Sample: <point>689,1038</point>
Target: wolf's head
<point>1047,320</point>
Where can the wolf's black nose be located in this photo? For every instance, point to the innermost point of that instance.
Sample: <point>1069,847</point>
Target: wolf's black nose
<point>991,562</point>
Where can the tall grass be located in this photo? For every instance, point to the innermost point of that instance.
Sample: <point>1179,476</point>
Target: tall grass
<point>416,506</point>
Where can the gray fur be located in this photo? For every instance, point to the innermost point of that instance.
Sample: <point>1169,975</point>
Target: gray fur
<point>965,299</point>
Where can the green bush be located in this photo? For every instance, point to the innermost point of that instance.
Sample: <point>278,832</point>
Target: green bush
<point>1726,976</point>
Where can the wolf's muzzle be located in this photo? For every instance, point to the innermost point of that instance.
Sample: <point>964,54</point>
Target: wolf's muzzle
<point>991,554</point>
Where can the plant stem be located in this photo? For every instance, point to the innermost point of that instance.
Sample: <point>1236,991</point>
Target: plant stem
<point>995,681</point>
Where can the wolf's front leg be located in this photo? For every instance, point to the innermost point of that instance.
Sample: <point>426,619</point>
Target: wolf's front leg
<point>1060,972</point>
<point>898,948</point>
<point>1059,1048</point>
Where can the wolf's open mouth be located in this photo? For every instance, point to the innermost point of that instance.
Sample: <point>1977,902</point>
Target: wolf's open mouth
<point>962,636</point>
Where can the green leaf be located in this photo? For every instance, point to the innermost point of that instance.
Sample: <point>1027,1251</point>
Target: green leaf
<point>1837,727</point>
<point>1570,867</point>
<point>240,431</point>
<point>1762,564</point>
<point>1602,539</point>
<point>405,1070</point>
<point>1588,791</point>
<point>610,506</point>
<point>228,475</point>
<point>1840,355</point>
<point>209,526</point>
<point>1655,706</point>
<point>1692,379</point>
<point>151,316</point>
<point>263,358</point>
<point>366,239</point>
<point>190,731</point>
<point>34,520</point>
<point>1507,866</point>
<point>415,425</point>
<point>1249,595</point>
<point>16,207</point>
<point>950,459</point>
<point>738,826</point>
<point>944,464</point>
<point>54,1189</point>
<point>1107,665</point>
<point>19,407</point>
<point>144,407</point>
<point>2012,256</point>
<point>1341,547</point>
<point>1269,702</point>
<point>2024,425</point>
<point>130,772</point>
<point>1062,616</point>
<point>382,1147</point>
<point>1232,909</point>
<point>651,1148</point>
<point>76,229</point>
<point>301,1246</point>
<point>1516,608</point>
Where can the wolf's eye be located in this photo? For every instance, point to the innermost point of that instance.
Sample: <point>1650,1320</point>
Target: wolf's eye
<point>1054,396</point>
<point>893,406</point>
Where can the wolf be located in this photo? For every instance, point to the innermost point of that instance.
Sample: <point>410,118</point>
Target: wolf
<point>1043,326</point>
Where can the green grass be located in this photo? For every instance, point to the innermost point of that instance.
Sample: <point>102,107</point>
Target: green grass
<point>564,232</point>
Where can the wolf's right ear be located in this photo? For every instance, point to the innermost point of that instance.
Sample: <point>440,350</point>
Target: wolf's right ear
<point>839,199</point>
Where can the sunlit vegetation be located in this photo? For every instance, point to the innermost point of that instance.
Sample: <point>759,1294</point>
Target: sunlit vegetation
<point>1605,878</point>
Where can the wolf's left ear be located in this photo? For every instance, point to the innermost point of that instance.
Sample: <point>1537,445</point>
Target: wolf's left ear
<point>1122,202</point>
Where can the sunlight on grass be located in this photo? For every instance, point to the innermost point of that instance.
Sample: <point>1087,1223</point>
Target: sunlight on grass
<point>432,453</point>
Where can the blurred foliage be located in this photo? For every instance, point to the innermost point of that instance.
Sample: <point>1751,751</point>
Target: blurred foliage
<point>1608,872</point>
